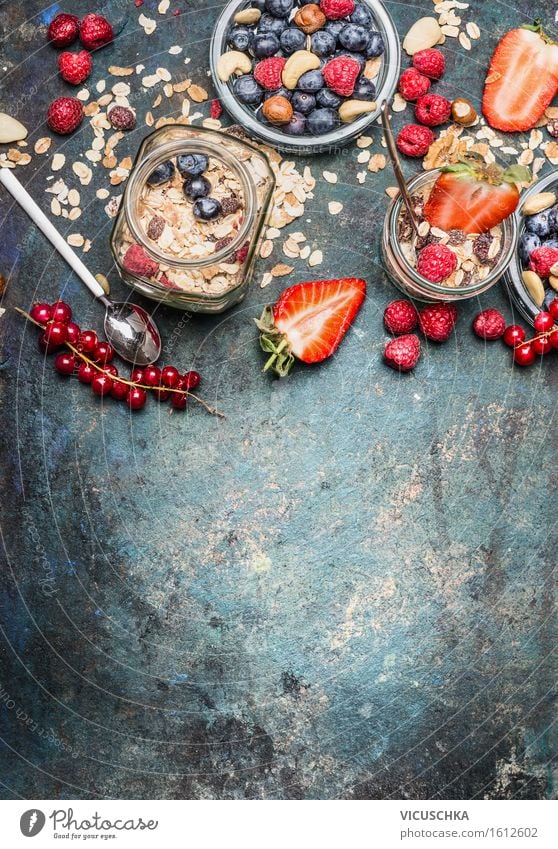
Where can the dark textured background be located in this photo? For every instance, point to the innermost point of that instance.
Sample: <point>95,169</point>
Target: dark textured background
<point>345,589</point>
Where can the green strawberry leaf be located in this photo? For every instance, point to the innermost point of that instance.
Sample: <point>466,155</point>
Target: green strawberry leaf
<point>517,174</point>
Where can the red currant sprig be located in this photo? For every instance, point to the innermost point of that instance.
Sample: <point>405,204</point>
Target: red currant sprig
<point>90,360</point>
<point>526,351</point>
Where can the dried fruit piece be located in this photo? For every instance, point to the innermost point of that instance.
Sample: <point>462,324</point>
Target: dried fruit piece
<point>138,262</point>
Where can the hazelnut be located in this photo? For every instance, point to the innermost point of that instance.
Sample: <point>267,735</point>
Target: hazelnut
<point>463,113</point>
<point>278,110</point>
<point>310,18</point>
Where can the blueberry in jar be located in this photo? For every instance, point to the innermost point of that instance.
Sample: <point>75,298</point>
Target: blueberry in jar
<point>258,4</point>
<point>322,121</point>
<point>548,298</point>
<point>353,37</point>
<point>323,43</point>
<point>292,39</point>
<point>197,187</point>
<point>361,16</point>
<point>297,125</point>
<point>162,174</point>
<point>207,209</point>
<point>269,24</point>
<point>550,243</point>
<point>358,57</point>
<point>553,219</point>
<point>192,164</point>
<point>538,224</point>
<point>280,92</point>
<point>327,99</point>
<point>240,38</point>
<point>376,45</point>
<point>247,90</point>
<point>364,89</point>
<point>303,102</point>
<point>527,244</point>
<point>265,44</point>
<point>311,81</point>
<point>279,8</point>
<point>335,27</point>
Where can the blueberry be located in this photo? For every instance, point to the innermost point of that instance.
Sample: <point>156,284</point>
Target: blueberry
<point>323,43</point>
<point>162,174</point>
<point>335,27</point>
<point>361,16</point>
<point>258,4</point>
<point>548,298</point>
<point>303,102</point>
<point>240,38</point>
<point>192,164</point>
<point>292,39</point>
<point>327,99</point>
<point>353,37</point>
<point>279,8</point>
<point>538,224</point>
<point>197,187</point>
<point>364,89</point>
<point>311,81</point>
<point>280,92</point>
<point>296,126</point>
<point>376,45</point>
<point>553,219</point>
<point>322,121</point>
<point>207,209</point>
<point>358,57</point>
<point>527,244</point>
<point>550,243</point>
<point>247,90</point>
<point>265,44</point>
<point>269,24</point>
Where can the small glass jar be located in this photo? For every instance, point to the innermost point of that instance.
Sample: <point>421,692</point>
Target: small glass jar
<point>406,277</point>
<point>194,265</point>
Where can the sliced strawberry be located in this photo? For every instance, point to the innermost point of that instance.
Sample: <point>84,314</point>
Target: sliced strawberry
<point>309,321</point>
<point>522,80</point>
<point>473,197</point>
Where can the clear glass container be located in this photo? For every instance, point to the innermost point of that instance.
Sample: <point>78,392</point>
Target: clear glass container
<point>386,83</point>
<point>406,277</point>
<point>198,268</point>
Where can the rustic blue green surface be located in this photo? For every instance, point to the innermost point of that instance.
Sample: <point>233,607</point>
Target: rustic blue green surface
<point>344,589</point>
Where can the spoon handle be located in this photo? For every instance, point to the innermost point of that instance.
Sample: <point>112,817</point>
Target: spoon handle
<point>394,156</point>
<point>24,199</point>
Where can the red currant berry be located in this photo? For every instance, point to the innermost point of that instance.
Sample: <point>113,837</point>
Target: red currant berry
<point>86,373</point>
<point>543,322</point>
<point>65,364</point>
<point>61,312</point>
<point>87,341</point>
<point>190,380</point>
<point>542,345</point>
<point>103,353</point>
<point>554,338</point>
<point>55,335</point>
<point>170,376</point>
<point>111,370</point>
<point>161,394</point>
<point>514,335</point>
<point>151,376</point>
<point>119,390</point>
<point>179,402</point>
<point>524,355</point>
<point>553,309</point>
<point>136,375</point>
<point>101,384</point>
<point>73,333</point>
<point>41,313</point>
<point>136,398</point>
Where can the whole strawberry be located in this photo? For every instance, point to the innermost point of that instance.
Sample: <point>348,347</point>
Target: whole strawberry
<point>95,31</point>
<point>490,324</point>
<point>75,67</point>
<point>400,317</point>
<point>414,140</point>
<point>413,85</point>
<point>64,115</point>
<point>341,74</point>
<point>403,354</point>
<point>63,30</point>
<point>430,62</point>
<point>432,110</point>
<point>334,10</point>
<point>268,73</point>
<point>437,321</point>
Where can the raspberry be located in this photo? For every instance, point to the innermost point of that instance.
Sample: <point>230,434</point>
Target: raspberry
<point>402,354</point>
<point>490,324</point>
<point>95,31</point>
<point>542,260</point>
<point>64,115</point>
<point>136,261</point>
<point>432,110</point>
<point>268,73</point>
<point>414,140</point>
<point>242,253</point>
<point>75,67</point>
<point>436,263</point>
<point>413,85</point>
<point>122,118</point>
<point>400,317</point>
<point>216,109</point>
<point>341,75</point>
<point>334,10</point>
<point>63,30</point>
<point>437,321</point>
<point>430,62</point>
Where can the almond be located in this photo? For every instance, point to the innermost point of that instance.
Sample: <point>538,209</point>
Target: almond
<point>538,203</point>
<point>534,286</point>
<point>425,33</point>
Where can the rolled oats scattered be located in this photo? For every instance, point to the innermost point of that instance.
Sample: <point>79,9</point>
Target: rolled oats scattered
<point>305,252</point>
<point>266,249</point>
<point>76,240</point>
<point>316,258</point>
<point>266,280</point>
<point>281,270</point>
<point>42,145</point>
<point>363,157</point>
<point>148,24</point>
<point>58,161</point>
<point>472,30</point>
<point>73,197</point>
<point>377,163</point>
<point>335,207</point>
<point>330,177</point>
<point>197,94</point>
<point>361,177</point>
<point>464,41</point>
<point>364,141</point>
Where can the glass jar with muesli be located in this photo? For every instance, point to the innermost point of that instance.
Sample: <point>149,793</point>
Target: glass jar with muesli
<point>191,218</point>
<point>482,259</point>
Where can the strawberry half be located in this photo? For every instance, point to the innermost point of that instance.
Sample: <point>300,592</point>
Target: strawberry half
<point>473,197</point>
<point>309,321</point>
<point>522,80</point>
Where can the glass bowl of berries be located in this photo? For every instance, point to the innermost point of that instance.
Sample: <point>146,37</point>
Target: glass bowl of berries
<point>305,77</point>
<point>191,219</point>
<point>466,231</point>
<point>532,277</point>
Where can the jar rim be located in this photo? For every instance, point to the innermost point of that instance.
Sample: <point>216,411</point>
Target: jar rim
<point>499,269</point>
<point>142,169</point>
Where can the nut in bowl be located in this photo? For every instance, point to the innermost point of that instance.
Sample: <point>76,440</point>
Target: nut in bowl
<point>305,77</point>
